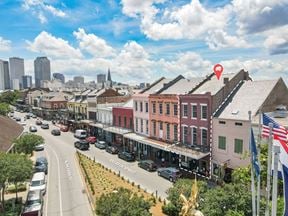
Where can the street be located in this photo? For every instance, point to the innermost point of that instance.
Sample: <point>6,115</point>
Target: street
<point>66,192</point>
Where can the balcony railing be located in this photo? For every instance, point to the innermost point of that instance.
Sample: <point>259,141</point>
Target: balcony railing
<point>200,148</point>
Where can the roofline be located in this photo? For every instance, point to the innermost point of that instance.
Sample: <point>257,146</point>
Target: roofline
<point>171,83</point>
<point>208,77</point>
<point>152,85</point>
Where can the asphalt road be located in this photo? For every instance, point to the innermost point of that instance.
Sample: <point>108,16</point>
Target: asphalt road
<point>66,194</point>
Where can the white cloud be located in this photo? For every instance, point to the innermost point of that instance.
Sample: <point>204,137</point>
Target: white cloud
<point>190,21</point>
<point>5,45</point>
<point>189,64</point>
<point>42,9</point>
<point>47,44</point>
<point>277,41</point>
<point>93,44</point>
<point>258,16</point>
<point>218,39</point>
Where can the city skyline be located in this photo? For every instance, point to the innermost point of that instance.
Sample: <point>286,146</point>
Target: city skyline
<point>149,39</point>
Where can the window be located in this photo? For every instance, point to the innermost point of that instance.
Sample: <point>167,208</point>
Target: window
<point>222,142</point>
<point>136,106</point>
<point>147,126</point>
<point>175,108</point>
<point>185,135</point>
<point>136,124</point>
<point>146,107</point>
<point>194,111</point>
<point>114,120</point>
<point>203,111</point>
<point>119,121</point>
<point>131,123</point>
<point>160,108</point>
<point>167,109</point>
<point>154,128</point>
<point>141,125</point>
<point>168,131</point>
<point>160,125</point>
<point>222,122</point>
<point>141,106</point>
<point>185,110</point>
<point>175,133</point>
<point>194,136</point>
<point>154,107</point>
<point>125,121</point>
<point>238,124</point>
<point>204,136</point>
<point>238,146</point>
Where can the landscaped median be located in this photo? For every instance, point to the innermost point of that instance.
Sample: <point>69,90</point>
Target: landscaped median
<point>101,180</point>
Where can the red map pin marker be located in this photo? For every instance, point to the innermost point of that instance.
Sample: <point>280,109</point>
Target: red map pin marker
<point>218,69</point>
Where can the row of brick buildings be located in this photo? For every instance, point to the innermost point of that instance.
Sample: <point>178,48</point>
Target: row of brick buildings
<point>199,124</point>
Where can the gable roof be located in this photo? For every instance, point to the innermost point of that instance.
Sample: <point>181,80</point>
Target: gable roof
<point>249,97</point>
<point>9,130</point>
<point>156,86</point>
<point>213,85</point>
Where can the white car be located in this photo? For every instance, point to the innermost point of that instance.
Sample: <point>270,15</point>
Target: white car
<point>38,182</point>
<point>39,147</point>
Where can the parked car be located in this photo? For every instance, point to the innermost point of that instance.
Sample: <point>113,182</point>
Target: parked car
<point>45,126</point>
<point>34,116</point>
<point>38,182</point>
<point>56,132</point>
<point>91,139</point>
<point>100,144</point>
<point>148,165</point>
<point>82,145</point>
<point>170,173</point>
<point>41,165</point>
<point>64,128</point>
<point>112,150</point>
<point>38,122</point>
<point>127,156</point>
<point>39,147</point>
<point>32,129</point>
<point>18,119</point>
<point>27,116</point>
<point>34,204</point>
<point>80,134</point>
<point>22,123</point>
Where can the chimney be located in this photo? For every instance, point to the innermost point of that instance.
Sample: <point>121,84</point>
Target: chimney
<point>226,80</point>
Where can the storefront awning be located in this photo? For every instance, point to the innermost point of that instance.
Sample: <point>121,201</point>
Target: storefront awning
<point>98,125</point>
<point>86,121</point>
<point>167,147</point>
<point>117,130</point>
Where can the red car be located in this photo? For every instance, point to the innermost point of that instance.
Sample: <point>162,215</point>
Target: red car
<point>91,139</point>
<point>64,128</point>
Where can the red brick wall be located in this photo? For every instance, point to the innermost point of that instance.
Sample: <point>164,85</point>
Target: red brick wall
<point>122,112</point>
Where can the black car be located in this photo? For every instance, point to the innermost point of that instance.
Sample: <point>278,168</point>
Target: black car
<point>82,145</point>
<point>45,126</point>
<point>148,165</point>
<point>127,156</point>
<point>41,165</point>
<point>112,150</point>
<point>56,132</point>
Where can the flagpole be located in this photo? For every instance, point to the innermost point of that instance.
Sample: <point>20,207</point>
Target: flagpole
<point>276,152</point>
<point>259,176</point>
<point>268,188</point>
<point>252,173</point>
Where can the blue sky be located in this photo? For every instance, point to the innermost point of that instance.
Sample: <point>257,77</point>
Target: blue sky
<point>141,40</point>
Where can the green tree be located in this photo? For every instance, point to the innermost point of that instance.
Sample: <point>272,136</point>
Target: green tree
<point>219,200</point>
<point>4,109</point>
<point>9,97</point>
<point>122,203</point>
<point>26,143</point>
<point>5,166</point>
<point>181,186</point>
<point>20,170</point>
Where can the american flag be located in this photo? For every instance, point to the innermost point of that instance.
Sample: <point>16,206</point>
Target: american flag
<point>279,132</point>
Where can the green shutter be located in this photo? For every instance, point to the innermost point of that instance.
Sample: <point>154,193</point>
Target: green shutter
<point>238,146</point>
<point>222,142</point>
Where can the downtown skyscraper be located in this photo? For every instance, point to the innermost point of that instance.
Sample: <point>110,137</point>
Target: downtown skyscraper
<point>42,70</point>
<point>16,72</point>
